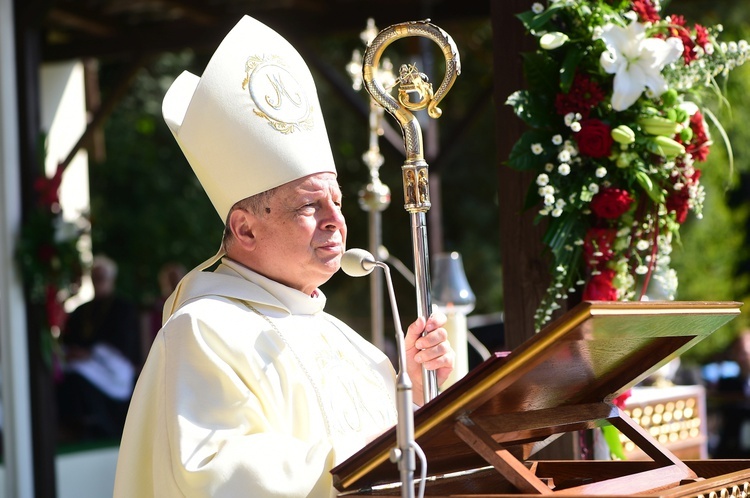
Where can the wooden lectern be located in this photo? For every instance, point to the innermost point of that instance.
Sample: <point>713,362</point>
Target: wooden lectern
<point>478,435</point>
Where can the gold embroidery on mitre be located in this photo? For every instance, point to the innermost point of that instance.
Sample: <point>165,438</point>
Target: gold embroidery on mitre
<point>278,96</point>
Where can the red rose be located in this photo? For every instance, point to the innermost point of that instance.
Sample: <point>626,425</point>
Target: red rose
<point>45,253</point>
<point>599,287</point>
<point>611,203</point>
<point>594,138</point>
<point>597,246</point>
<point>679,30</point>
<point>699,145</point>
<point>701,36</point>
<point>48,188</point>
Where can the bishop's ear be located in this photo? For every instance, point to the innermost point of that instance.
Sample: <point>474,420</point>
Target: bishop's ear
<point>241,224</point>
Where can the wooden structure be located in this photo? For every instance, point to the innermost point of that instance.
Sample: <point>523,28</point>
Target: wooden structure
<point>480,434</point>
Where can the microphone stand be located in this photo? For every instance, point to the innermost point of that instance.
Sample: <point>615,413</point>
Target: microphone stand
<point>404,453</point>
<point>358,263</point>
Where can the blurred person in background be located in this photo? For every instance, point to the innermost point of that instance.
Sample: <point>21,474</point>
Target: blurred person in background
<point>730,398</point>
<point>101,354</point>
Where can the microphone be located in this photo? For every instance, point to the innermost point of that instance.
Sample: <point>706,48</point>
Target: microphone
<point>358,263</point>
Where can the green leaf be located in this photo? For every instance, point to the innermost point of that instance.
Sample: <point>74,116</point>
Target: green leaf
<point>532,196</point>
<point>523,159</point>
<point>526,18</point>
<point>541,71</point>
<point>612,437</point>
<point>535,110</point>
<point>569,65</point>
<point>534,22</point>
<point>561,231</point>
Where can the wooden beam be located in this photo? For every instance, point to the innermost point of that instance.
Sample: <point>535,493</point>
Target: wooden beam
<point>92,26</point>
<point>99,117</point>
<point>191,12</point>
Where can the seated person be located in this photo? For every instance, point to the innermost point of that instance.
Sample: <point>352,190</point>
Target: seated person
<point>101,348</point>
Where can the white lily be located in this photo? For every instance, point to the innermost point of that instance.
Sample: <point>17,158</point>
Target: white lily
<point>636,61</point>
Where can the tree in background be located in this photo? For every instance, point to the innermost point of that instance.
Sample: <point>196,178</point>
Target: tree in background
<point>147,208</point>
<point>712,257</point>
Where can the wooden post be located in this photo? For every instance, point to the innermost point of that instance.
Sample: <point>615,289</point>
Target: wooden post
<point>525,269</point>
<point>43,406</point>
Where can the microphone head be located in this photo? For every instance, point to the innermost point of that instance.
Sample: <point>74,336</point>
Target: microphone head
<point>357,262</point>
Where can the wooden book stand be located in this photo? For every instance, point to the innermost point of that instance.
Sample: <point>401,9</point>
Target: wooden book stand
<point>478,435</point>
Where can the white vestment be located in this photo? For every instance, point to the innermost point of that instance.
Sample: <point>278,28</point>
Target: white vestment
<point>251,390</point>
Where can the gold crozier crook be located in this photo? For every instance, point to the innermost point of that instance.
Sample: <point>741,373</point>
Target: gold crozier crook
<point>414,94</point>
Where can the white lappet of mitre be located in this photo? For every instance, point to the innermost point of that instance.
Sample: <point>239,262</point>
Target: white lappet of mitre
<point>252,121</point>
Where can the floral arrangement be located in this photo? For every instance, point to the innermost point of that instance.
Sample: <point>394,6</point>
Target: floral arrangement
<point>618,128</point>
<point>48,251</point>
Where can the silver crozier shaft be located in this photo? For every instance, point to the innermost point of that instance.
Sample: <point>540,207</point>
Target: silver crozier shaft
<point>415,93</point>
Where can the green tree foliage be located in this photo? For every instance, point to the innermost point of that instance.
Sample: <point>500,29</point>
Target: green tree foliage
<point>712,259</point>
<point>147,208</point>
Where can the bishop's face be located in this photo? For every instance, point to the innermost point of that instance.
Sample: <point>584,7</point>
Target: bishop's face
<point>300,237</point>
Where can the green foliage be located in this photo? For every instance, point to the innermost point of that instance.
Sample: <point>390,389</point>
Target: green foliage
<point>147,208</point>
<point>616,156</point>
<point>48,254</point>
<point>48,250</point>
<point>712,259</point>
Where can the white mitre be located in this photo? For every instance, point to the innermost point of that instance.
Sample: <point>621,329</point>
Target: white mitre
<point>252,121</point>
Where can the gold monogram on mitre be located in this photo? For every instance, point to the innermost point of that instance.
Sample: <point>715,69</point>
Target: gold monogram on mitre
<point>279,98</point>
